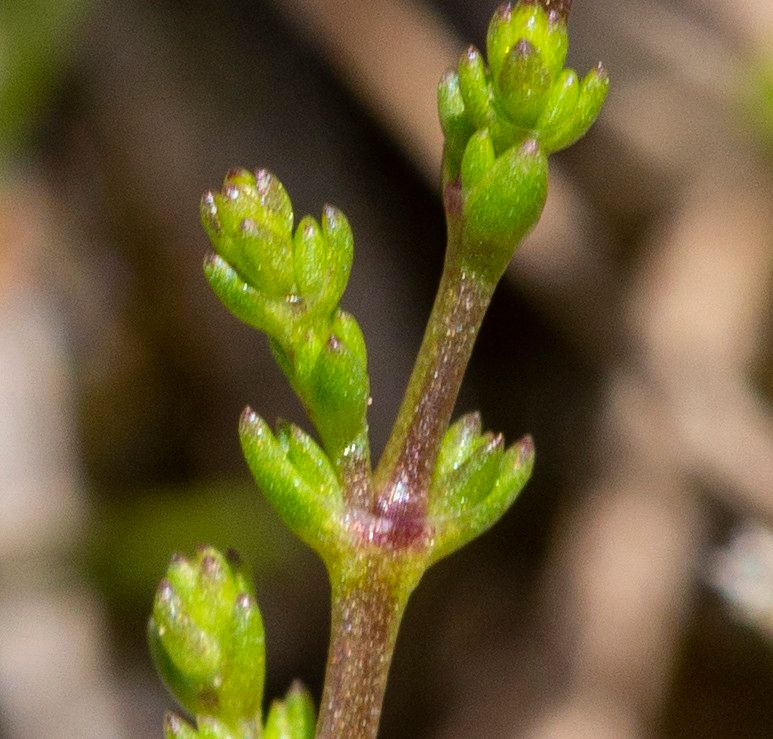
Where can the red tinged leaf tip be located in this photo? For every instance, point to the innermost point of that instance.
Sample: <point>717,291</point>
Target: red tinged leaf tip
<point>173,723</point>
<point>525,449</point>
<point>523,48</point>
<point>247,419</point>
<point>210,566</point>
<point>556,9</point>
<point>165,592</point>
<point>471,53</point>
<point>504,11</point>
<point>244,601</point>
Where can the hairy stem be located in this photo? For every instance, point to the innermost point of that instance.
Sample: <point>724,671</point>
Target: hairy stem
<point>366,615</point>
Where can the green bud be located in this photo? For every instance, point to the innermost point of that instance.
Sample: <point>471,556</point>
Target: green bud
<point>250,225</point>
<point>524,94</point>
<point>503,207</point>
<point>313,513</point>
<point>339,386</point>
<point>269,278</point>
<point>206,637</point>
<point>455,525</point>
<point>292,718</point>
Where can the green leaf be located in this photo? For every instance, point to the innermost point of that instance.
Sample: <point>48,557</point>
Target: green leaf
<point>248,304</point>
<point>310,461</point>
<point>475,88</point>
<point>311,268</point>
<point>559,108</point>
<point>315,518</point>
<point>339,386</point>
<point>454,121</point>
<point>503,207</point>
<point>474,480</point>
<point>523,82</point>
<point>470,521</point>
<point>292,718</point>
<point>177,728</point>
<point>478,159</point>
<point>340,243</point>
<point>458,443</point>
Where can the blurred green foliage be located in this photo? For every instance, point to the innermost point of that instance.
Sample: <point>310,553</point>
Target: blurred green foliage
<point>35,42</point>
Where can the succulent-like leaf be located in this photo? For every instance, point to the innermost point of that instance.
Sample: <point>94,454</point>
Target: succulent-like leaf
<point>502,207</point>
<point>339,386</point>
<point>453,532</point>
<point>312,513</point>
<point>291,718</point>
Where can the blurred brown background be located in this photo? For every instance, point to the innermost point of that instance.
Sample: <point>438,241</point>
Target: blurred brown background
<point>629,593</point>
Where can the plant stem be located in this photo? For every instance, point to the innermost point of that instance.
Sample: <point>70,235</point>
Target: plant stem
<point>387,516</point>
<point>366,615</point>
<point>404,472</point>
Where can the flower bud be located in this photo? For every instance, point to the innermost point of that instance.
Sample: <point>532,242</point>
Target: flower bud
<point>206,637</point>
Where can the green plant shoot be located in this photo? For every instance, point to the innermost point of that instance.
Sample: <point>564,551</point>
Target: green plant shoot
<point>438,484</point>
